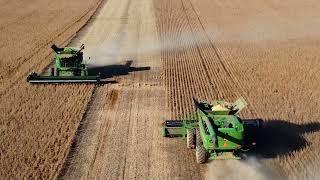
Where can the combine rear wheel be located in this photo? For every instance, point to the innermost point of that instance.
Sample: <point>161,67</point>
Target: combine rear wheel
<point>191,139</point>
<point>201,153</point>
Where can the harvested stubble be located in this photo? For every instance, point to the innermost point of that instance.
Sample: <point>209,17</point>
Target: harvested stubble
<point>37,123</point>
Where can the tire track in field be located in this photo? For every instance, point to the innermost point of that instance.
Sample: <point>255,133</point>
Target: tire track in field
<point>207,58</point>
<point>108,104</point>
<point>90,163</point>
<point>173,22</point>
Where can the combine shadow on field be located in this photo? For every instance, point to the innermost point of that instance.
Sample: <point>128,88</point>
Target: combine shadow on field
<point>279,137</point>
<point>110,71</point>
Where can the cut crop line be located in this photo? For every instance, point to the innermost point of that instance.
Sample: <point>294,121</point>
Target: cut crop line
<point>217,54</point>
<point>197,47</point>
<point>102,129</point>
<point>74,143</point>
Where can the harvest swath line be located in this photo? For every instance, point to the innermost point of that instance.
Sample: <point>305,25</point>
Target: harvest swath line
<point>103,128</point>
<point>229,73</point>
<point>78,132</point>
<point>204,61</point>
<point>182,61</point>
<point>245,80</point>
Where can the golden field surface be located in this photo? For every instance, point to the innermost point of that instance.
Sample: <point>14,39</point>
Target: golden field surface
<point>37,123</point>
<point>160,54</point>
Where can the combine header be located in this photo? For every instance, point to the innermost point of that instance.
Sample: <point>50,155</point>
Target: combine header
<point>217,133</point>
<point>68,68</point>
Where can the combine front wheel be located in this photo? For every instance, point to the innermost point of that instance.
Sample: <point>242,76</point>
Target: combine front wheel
<point>201,153</point>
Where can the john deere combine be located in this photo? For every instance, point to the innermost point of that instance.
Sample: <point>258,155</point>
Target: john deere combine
<point>68,68</point>
<point>216,130</point>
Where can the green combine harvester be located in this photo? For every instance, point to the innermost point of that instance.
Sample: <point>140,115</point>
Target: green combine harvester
<point>68,68</point>
<point>217,133</point>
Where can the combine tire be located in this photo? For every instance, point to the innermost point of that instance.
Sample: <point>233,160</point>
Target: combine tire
<point>191,138</point>
<point>56,72</point>
<point>51,71</point>
<point>201,153</point>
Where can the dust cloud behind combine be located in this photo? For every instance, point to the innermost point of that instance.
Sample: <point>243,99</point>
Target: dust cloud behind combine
<point>257,29</point>
<point>106,52</point>
<point>101,55</point>
<point>249,169</point>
